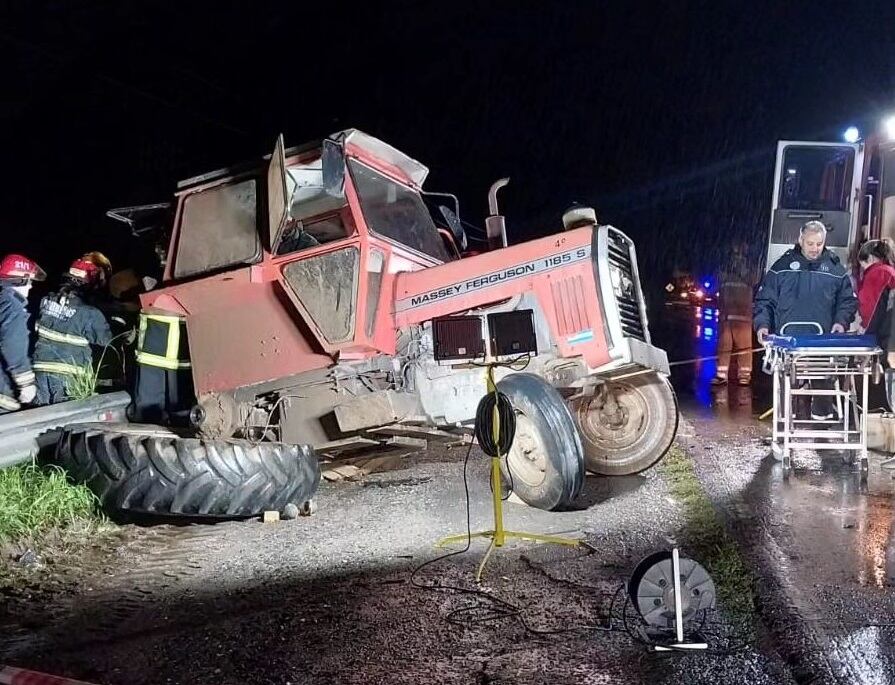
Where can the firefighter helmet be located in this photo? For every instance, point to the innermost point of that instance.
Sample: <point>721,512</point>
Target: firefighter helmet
<point>100,260</point>
<point>18,269</point>
<point>86,272</point>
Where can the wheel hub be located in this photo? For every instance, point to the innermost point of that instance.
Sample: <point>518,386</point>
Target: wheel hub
<point>615,421</point>
<point>527,459</point>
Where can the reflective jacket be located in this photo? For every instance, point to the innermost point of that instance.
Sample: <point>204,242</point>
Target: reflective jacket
<point>796,289</point>
<point>66,328</point>
<point>16,370</point>
<point>162,342</point>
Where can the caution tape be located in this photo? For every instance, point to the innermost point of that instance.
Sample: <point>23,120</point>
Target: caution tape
<point>683,362</point>
<point>709,358</point>
<point>10,675</point>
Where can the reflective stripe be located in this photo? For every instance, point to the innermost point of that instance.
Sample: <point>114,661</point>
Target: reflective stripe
<point>56,336</point>
<point>24,378</point>
<point>163,362</point>
<point>165,319</point>
<point>141,333</point>
<point>9,403</point>
<point>60,368</point>
<point>173,339</point>
<point>170,359</point>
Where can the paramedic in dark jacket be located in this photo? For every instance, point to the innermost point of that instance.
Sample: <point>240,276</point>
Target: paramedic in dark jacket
<point>66,328</point>
<point>17,384</point>
<point>807,284</point>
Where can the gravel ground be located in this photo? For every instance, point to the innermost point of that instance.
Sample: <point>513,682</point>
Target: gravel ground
<point>326,599</point>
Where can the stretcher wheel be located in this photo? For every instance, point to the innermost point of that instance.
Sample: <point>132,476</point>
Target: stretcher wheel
<point>777,451</point>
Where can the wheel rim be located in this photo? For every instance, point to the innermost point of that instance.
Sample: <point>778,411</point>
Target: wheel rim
<point>616,422</point>
<point>527,460</point>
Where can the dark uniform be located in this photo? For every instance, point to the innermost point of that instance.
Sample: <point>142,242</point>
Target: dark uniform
<point>796,289</point>
<point>16,372</point>
<point>66,328</point>
<point>164,385</point>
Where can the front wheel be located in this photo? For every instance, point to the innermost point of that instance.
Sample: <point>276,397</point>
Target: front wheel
<point>627,425</point>
<point>545,464</point>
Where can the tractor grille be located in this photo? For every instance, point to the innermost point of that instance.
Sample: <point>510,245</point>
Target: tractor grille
<point>633,322</point>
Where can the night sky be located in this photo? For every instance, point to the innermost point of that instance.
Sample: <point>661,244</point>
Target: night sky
<point>665,119</point>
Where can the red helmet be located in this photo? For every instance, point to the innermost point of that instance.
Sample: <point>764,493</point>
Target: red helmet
<point>20,269</point>
<point>86,271</point>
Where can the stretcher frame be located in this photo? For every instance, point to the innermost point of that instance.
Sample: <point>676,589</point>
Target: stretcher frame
<point>795,361</point>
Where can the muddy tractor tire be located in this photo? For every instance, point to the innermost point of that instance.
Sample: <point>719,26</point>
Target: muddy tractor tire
<point>545,464</point>
<point>628,425</point>
<point>147,470</point>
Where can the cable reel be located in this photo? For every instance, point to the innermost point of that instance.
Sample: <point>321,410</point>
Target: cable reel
<point>652,589</point>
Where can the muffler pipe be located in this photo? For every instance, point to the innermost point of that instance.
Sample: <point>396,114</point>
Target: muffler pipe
<point>495,224</point>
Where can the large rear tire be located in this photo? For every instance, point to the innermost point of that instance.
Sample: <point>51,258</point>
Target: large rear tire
<point>628,425</point>
<point>149,470</point>
<point>545,464</point>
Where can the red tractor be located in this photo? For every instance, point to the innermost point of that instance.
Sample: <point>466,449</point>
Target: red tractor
<point>323,301</point>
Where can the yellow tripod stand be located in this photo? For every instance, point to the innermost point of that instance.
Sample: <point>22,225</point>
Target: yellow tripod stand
<point>498,535</point>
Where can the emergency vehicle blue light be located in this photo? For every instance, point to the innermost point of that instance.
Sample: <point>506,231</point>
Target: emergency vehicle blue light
<point>851,135</point>
<point>709,332</point>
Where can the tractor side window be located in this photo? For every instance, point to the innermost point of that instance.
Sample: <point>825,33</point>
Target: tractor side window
<point>816,178</point>
<point>396,212</point>
<point>302,235</point>
<point>218,228</point>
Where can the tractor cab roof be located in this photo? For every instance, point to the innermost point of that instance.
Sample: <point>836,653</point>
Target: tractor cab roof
<point>350,140</point>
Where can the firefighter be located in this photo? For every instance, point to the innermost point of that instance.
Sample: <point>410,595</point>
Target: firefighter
<point>66,328</point>
<point>99,260</point>
<point>164,378</point>
<point>735,284</point>
<point>17,383</point>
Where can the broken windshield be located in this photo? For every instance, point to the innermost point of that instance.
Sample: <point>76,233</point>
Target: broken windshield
<point>396,212</point>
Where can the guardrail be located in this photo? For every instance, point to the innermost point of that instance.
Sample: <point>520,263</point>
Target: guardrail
<point>24,433</point>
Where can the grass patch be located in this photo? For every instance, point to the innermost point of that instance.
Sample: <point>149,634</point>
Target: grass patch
<point>35,500</point>
<point>705,534</point>
<point>81,385</point>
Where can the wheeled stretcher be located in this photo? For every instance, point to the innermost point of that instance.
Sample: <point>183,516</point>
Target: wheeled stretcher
<point>812,366</point>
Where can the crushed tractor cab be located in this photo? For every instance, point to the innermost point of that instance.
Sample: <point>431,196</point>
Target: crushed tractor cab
<point>323,300</point>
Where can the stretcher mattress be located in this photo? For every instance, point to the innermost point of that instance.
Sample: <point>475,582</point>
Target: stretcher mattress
<point>832,341</point>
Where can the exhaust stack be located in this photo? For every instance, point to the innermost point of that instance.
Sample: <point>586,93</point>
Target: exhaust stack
<point>495,225</point>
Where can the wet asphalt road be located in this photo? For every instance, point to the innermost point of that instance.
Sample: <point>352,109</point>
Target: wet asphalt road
<point>327,599</point>
<point>820,542</point>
